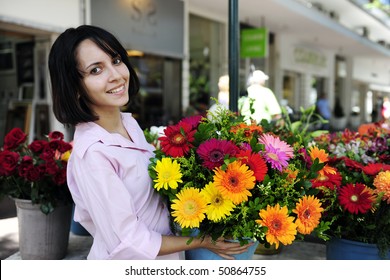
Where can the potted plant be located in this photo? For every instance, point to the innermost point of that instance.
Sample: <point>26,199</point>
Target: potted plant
<point>355,192</point>
<point>224,178</point>
<point>34,175</point>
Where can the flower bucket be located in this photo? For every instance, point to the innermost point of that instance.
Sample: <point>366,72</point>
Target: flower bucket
<point>76,228</point>
<point>342,249</point>
<point>41,236</point>
<point>205,254</point>
<point>262,250</point>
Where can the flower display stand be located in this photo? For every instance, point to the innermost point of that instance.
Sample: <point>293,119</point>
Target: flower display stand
<point>43,237</point>
<point>342,249</point>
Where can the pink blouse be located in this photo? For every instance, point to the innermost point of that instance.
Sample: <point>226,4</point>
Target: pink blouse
<point>109,181</point>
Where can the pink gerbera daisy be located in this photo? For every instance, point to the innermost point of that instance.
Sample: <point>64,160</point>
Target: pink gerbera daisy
<point>213,152</point>
<point>277,152</point>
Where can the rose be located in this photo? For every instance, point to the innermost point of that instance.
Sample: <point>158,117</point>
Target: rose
<point>8,162</point>
<point>14,138</point>
<point>60,177</point>
<point>25,165</point>
<point>37,146</point>
<point>56,135</point>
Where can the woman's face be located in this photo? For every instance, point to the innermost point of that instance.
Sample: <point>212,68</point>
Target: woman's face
<point>106,79</point>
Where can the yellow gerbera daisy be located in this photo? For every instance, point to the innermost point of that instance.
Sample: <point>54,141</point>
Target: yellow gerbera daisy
<point>308,210</point>
<point>218,207</point>
<point>281,227</point>
<point>168,174</point>
<point>235,182</point>
<point>189,208</point>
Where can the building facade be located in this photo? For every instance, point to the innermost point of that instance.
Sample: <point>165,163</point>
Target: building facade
<point>179,49</point>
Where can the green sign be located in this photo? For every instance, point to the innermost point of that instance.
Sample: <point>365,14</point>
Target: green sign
<point>254,42</point>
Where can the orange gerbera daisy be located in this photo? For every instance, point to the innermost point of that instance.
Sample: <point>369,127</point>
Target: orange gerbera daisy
<point>281,227</point>
<point>308,210</point>
<point>322,156</point>
<point>235,182</point>
<point>248,130</point>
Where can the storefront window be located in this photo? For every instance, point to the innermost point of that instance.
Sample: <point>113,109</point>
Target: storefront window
<point>208,61</point>
<point>159,99</point>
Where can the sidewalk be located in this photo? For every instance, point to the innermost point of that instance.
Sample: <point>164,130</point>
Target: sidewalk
<point>79,246</point>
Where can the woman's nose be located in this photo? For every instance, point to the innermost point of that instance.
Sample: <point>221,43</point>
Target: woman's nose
<point>114,73</point>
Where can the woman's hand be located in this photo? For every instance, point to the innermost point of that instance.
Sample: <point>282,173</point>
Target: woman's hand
<point>224,248</point>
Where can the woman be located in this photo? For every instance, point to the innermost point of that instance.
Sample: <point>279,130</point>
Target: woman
<point>92,79</point>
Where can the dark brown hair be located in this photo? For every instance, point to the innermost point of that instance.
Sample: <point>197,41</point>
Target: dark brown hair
<point>70,100</point>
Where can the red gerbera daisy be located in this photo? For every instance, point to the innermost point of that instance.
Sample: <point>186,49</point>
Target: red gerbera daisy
<point>177,139</point>
<point>373,169</point>
<point>255,162</point>
<point>356,198</point>
<point>213,152</point>
<point>352,164</point>
<point>327,180</point>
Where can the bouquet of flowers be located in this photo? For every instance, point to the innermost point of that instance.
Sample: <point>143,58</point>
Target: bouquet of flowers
<point>225,178</point>
<point>355,188</point>
<point>35,171</point>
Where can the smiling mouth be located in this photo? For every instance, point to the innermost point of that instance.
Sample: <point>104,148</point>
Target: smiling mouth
<point>116,90</point>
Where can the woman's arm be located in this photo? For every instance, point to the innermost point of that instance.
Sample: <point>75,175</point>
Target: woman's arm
<point>172,244</point>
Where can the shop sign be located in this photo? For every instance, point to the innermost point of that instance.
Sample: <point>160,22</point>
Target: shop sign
<point>254,43</point>
<point>309,57</point>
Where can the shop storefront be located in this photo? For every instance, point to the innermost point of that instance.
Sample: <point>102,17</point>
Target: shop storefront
<point>152,32</point>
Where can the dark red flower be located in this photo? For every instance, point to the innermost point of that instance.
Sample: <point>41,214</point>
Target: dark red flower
<point>60,177</point>
<point>51,167</point>
<point>8,162</point>
<point>25,165</point>
<point>56,135</point>
<point>14,138</point>
<point>213,152</point>
<point>33,174</point>
<point>37,146</point>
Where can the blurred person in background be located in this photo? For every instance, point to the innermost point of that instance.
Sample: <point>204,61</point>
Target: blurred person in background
<point>223,96</point>
<point>323,109</point>
<point>261,102</point>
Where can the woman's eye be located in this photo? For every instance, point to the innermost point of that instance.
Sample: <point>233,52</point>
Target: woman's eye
<point>117,60</point>
<point>95,70</point>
